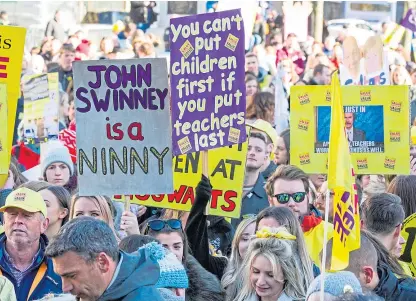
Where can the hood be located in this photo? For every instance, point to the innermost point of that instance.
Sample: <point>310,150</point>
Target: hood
<point>168,295</point>
<point>131,275</point>
<point>388,287</point>
<point>203,286</point>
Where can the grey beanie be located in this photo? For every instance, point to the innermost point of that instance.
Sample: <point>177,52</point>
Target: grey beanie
<point>336,284</point>
<point>58,154</point>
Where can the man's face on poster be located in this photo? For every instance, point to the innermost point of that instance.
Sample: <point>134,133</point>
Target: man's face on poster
<point>349,120</point>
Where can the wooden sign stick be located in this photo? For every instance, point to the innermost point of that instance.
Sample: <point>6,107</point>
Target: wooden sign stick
<point>205,172</point>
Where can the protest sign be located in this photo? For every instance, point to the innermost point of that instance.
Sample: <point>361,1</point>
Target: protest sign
<point>11,54</point>
<point>249,10</point>
<point>370,68</point>
<point>207,81</point>
<point>4,149</point>
<point>376,122</point>
<point>123,127</point>
<point>409,249</point>
<point>393,35</point>
<point>41,107</point>
<point>409,21</point>
<point>226,172</point>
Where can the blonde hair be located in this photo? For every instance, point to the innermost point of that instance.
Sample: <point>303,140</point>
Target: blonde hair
<point>397,69</point>
<point>103,205</point>
<point>278,252</point>
<point>350,46</point>
<point>374,44</point>
<point>229,279</point>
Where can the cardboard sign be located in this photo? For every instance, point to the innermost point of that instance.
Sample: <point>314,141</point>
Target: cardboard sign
<point>409,21</point>
<point>226,172</point>
<point>207,81</point>
<point>366,66</point>
<point>4,146</point>
<point>376,122</point>
<point>11,54</point>
<point>409,250</point>
<point>41,107</point>
<point>123,127</point>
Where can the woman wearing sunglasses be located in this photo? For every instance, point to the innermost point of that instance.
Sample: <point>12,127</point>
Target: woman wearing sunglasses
<point>203,286</point>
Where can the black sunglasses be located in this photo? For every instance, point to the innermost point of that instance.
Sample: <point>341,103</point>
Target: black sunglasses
<point>159,224</point>
<point>283,198</point>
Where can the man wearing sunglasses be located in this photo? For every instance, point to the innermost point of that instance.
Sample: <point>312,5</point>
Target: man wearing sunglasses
<point>289,187</point>
<point>254,195</point>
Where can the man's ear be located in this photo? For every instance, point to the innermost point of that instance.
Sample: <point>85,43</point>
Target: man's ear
<point>270,200</point>
<point>270,148</point>
<point>103,262</point>
<point>368,274</point>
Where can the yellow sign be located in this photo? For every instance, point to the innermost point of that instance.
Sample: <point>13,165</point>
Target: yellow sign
<point>226,167</point>
<point>11,55</point>
<point>4,149</point>
<point>409,250</point>
<point>376,125</point>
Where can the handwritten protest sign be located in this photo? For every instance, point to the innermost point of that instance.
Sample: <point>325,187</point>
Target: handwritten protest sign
<point>41,107</point>
<point>207,81</point>
<point>393,35</point>
<point>4,150</point>
<point>409,21</point>
<point>226,172</point>
<point>376,122</point>
<point>11,54</point>
<point>409,250</point>
<point>366,66</point>
<point>123,127</point>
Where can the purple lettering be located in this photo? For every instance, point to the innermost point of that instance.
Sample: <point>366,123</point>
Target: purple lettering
<point>162,95</point>
<point>127,77</point>
<point>150,98</point>
<point>101,104</point>
<point>81,97</point>
<point>107,76</point>
<point>128,99</point>
<point>144,75</point>
<point>139,97</point>
<point>97,70</point>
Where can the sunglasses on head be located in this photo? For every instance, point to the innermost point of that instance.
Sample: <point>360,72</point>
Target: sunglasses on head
<point>283,198</point>
<point>159,224</point>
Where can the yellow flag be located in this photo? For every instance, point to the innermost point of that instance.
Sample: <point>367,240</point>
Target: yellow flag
<point>341,181</point>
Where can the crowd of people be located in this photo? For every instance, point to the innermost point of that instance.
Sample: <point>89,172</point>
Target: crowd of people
<point>58,245</point>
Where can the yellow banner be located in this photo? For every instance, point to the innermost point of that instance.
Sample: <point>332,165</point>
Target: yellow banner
<point>11,55</point>
<point>409,250</point>
<point>4,149</point>
<point>226,167</point>
<point>376,123</point>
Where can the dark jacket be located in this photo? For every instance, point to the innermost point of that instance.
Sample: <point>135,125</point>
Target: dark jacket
<point>138,273</point>
<point>49,282</point>
<point>203,286</point>
<point>197,231</point>
<point>254,201</point>
<point>392,288</point>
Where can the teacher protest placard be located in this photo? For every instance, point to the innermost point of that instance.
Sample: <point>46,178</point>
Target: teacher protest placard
<point>41,107</point>
<point>4,149</point>
<point>11,54</point>
<point>226,172</point>
<point>408,232</point>
<point>123,127</point>
<point>364,66</point>
<point>207,81</point>
<point>376,126</point>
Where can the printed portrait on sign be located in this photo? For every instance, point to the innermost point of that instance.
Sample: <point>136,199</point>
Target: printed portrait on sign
<point>364,128</point>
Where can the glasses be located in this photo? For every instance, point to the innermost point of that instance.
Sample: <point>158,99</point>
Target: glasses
<point>159,224</point>
<point>283,198</point>
<point>250,215</point>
